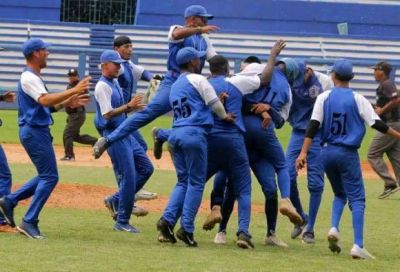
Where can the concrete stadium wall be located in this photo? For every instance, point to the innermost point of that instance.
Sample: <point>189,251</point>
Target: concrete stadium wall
<point>48,10</point>
<point>283,16</point>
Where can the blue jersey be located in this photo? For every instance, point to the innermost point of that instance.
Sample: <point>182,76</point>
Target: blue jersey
<point>342,113</point>
<point>128,78</point>
<point>304,96</point>
<point>189,98</point>
<point>235,87</point>
<point>197,41</point>
<point>276,94</point>
<point>233,105</point>
<point>108,97</point>
<point>126,81</point>
<point>30,112</point>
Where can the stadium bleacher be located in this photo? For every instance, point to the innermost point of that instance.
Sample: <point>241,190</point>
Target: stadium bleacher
<point>73,44</point>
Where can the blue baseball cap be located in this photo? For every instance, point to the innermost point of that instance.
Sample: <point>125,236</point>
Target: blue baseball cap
<point>197,10</point>
<point>343,67</point>
<point>32,45</point>
<point>291,68</point>
<point>187,54</point>
<point>110,56</point>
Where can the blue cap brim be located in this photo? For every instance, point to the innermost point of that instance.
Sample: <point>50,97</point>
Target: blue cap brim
<point>208,16</point>
<point>118,61</point>
<point>47,45</point>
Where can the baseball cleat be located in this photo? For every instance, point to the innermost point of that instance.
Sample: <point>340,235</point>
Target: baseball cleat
<point>145,195</point>
<point>139,211</point>
<point>99,147</point>
<point>67,158</point>
<point>388,191</point>
<point>244,241</point>
<point>220,238</point>
<point>273,240</point>
<point>111,206</point>
<point>360,253</point>
<point>166,231</point>
<point>213,218</point>
<point>308,237</point>
<point>30,230</point>
<point>298,230</point>
<point>162,239</point>
<point>333,240</point>
<point>157,144</point>
<point>125,227</point>
<point>287,209</point>
<point>7,210</point>
<point>186,237</point>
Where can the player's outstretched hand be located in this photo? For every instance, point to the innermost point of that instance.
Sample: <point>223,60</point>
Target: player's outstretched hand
<point>83,85</point>
<point>266,119</point>
<point>136,102</point>
<point>301,161</point>
<point>260,108</point>
<point>209,28</point>
<point>230,117</point>
<point>278,47</point>
<point>9,97</point>
<point>78,100</point>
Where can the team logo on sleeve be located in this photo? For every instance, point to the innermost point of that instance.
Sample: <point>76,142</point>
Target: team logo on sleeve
<point>314,91</point>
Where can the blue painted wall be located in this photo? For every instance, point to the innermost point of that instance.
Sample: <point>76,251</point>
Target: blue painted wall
<point>283,16</point>
<point>48,10</point>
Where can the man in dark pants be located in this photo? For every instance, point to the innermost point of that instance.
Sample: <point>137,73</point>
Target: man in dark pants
<point>76,118</point>
<point>387,107</point>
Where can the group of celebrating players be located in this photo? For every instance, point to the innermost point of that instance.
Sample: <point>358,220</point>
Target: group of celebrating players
<point>223,126</point>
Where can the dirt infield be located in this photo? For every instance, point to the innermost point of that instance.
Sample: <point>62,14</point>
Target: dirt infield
<point>16,154</point>
<point>91,197</point>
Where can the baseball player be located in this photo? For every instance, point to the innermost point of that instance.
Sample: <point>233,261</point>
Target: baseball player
<point>340,115</point>
<point>111,112</point>
<point>387,107</point>
<point>5,173</point>
<point>34,119</point>
<point>305,89</point>
<point>75,120</point>
<point>129,75</point>
<point>191,35</point>
<point>191,97</point>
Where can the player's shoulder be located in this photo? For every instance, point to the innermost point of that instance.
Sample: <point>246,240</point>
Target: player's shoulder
<point>324,95</point>
<point>196,78</point>
<point>28,76</point>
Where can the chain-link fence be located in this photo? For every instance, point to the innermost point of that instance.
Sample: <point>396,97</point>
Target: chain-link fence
<point>106,12</point>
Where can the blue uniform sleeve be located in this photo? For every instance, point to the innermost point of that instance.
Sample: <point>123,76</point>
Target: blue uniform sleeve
<point>146,75</point>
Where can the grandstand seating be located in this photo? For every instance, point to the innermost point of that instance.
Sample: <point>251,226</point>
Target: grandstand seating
<point>150,47</point>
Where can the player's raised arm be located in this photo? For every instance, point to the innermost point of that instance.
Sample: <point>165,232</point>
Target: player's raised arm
<point>266,74</point>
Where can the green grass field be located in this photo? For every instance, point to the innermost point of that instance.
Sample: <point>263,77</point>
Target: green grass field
<point>83,240</point>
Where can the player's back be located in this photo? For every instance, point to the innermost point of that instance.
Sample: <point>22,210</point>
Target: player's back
<point>188,106</point>
<point>342,123</point>
<point>233,104</point>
